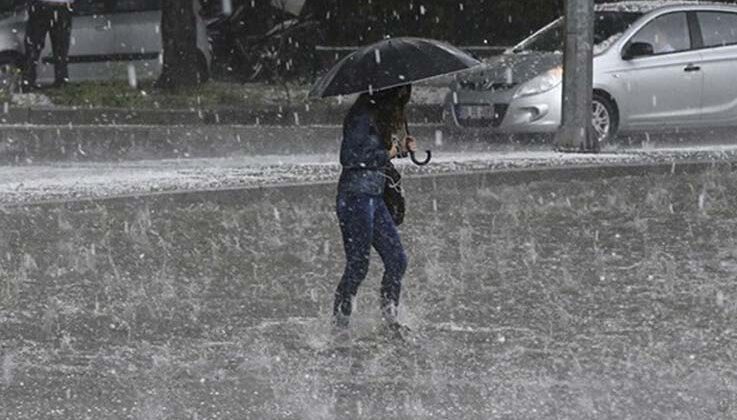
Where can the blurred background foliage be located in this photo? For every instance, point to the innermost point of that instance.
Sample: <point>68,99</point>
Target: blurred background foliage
<point>467,22</point>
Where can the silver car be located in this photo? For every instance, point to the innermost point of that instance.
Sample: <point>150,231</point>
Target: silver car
<point>655,67</point>
<point>111,39</point>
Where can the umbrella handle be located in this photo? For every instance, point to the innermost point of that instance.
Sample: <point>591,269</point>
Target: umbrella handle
<point>423,162</point>
<point>412,154</point>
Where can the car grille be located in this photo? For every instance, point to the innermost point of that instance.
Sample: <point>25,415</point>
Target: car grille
<point>492,117</point>
<point>486,85</point>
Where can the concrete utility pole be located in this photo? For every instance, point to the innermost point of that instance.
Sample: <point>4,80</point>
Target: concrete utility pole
<point>576,133</point>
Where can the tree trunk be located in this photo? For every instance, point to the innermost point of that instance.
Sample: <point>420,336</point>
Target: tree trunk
<point>182,65</point>
<point>575,133</point>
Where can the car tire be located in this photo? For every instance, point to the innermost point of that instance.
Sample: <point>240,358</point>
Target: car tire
<point>605,118</point>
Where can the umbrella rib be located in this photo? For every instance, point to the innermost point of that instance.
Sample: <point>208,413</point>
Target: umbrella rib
<point>449,60</point>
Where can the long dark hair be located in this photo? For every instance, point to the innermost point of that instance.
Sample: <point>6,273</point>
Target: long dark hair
<point>388,107</point>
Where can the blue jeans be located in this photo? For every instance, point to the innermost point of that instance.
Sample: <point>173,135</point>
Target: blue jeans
<point>364,222</point>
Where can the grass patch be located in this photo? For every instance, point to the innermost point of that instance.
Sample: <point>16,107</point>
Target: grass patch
<point>118,94</point>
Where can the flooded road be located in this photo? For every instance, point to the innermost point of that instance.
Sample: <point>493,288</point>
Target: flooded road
<point>608,298</point>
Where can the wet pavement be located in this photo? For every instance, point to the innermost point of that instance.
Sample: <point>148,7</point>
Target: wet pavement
<point>59,181</point>
<point>589,298</point>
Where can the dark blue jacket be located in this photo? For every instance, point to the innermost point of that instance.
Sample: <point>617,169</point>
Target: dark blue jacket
<point>363,154</point>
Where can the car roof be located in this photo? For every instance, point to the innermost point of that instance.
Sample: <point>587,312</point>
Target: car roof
<point>647,6</point>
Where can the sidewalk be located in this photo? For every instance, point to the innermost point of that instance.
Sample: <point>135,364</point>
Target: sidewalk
<point>84,181</point>
<point>36,130</point>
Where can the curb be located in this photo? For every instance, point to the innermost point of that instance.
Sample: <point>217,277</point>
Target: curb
<point>305,114</point>
<point>20,144</point>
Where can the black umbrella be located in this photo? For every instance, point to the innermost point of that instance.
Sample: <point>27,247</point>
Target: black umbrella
<point>391,63</point>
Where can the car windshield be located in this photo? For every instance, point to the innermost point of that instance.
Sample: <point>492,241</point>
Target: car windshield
<point>609,26</point>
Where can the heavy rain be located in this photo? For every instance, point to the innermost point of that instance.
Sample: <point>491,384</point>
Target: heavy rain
<point>208,209</point>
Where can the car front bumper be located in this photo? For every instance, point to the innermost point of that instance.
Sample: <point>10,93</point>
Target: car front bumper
<point>501,113</point>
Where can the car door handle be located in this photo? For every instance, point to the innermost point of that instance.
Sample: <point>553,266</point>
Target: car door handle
<point>691,68</point>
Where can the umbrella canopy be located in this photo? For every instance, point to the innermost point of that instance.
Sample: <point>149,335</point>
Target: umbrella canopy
<point>390,63</point>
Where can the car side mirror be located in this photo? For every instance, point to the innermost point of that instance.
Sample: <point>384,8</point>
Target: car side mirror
<point>637,49</point>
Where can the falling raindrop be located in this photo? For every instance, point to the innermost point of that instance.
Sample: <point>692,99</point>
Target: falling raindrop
<point>377,56</point>
<point>227,7</point>
<point>655,101</point>
<point>438,138</point>
<point>132,79</point>
<point>508,75</point>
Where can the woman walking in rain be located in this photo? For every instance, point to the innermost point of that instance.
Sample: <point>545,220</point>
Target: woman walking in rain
<point>385,69</point>
<point>369,143</point>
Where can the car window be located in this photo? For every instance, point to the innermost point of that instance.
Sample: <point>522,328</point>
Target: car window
<point>126,6</point>
<point>668,33</point>
<point>718,29</point>
<point>608,27</point>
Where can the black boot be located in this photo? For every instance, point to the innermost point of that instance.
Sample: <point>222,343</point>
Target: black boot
<point>342,309</point>
<point>392,327</point>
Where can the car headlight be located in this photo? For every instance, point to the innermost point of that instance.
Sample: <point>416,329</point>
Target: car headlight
<point>543,83</point>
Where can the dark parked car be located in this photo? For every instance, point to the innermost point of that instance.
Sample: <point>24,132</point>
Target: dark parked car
<point>270,43</point>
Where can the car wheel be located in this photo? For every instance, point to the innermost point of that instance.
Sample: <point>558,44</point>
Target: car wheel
<point>11,76</point>
<point>604,119</point>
